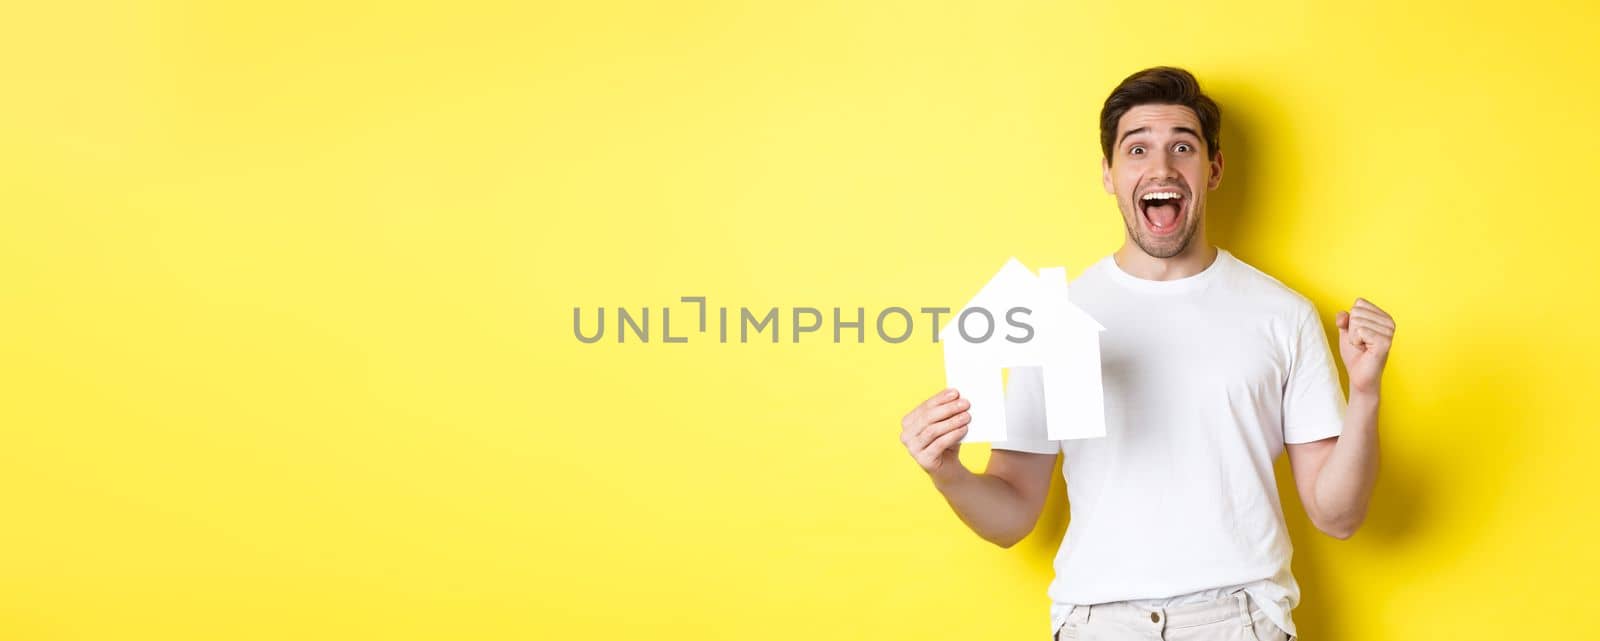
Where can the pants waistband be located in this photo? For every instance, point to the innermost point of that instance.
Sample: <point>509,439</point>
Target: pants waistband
<point>1236,606</point>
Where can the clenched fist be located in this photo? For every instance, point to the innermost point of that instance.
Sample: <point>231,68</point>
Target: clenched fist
<point>932,431</point>
<point>1365,333</point>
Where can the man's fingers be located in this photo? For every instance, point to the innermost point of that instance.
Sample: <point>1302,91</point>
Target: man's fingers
<point>943,443</point>
<point>1367,308</point>
<point>944,396</point>
<point>1349,334</point>
<point>1374,317</point>
<point>929,416</point>
<point>935,430</point>
<point>918,417</point>
<point>1373,339</point>
<point>929,407</point>
<point>1378,331</point>
<point>1368,312</point>
<point>1363,323</point>
<point>934,424</point>
<point>1366,304</point>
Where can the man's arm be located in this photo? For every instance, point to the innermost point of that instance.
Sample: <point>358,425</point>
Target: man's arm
<point>1335,476</point>
<point>1002,504</point>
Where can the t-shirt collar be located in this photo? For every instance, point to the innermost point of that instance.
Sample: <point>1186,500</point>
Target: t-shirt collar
<point>1185,284</point>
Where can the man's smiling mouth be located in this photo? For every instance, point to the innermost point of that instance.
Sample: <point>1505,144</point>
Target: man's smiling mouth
<point>1162,208</point>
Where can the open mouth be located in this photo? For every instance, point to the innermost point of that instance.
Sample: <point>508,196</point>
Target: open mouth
<point>1162,209</point>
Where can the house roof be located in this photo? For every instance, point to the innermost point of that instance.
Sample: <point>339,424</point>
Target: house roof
<point>1014,285</point>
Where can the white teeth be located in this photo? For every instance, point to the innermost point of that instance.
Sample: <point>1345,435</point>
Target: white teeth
<point>1161,195</point>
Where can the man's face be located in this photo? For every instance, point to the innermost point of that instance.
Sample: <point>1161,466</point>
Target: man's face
<point>1160,173</point>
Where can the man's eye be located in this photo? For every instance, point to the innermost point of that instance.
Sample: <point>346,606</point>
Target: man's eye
<point>1182,147</point>
<point>1136,150</point>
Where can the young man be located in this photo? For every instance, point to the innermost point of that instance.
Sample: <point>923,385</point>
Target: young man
<point>1211,369</point>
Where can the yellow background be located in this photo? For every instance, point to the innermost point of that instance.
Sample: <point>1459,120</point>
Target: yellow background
<point>287,298</point>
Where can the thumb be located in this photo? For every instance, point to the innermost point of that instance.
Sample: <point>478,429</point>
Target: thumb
<point>1342,319</point>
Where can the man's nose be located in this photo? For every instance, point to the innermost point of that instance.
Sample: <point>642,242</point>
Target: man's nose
<point>1164,167</point>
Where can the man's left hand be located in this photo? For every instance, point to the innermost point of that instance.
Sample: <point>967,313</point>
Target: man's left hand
<point>1365,333</point>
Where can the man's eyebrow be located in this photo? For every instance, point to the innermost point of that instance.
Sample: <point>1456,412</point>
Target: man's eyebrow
<point>1131,132</point>
<point>1177,130</point>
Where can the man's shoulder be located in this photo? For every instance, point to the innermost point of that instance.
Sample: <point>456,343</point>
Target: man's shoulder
<point>1093,276</point>
<point>1258,285</point>
<point>1092,273</point>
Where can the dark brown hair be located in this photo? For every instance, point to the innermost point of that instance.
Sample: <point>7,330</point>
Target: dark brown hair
<point>1160,86</point>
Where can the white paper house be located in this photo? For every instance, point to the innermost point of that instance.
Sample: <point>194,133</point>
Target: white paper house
<point>1065,345</point>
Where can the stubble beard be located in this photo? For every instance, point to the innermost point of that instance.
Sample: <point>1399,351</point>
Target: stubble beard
<point>1165,248</point>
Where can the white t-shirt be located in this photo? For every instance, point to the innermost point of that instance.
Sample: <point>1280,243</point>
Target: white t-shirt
<point>1206,378</point>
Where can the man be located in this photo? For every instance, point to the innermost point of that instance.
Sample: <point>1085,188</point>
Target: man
<point>1211,369</point>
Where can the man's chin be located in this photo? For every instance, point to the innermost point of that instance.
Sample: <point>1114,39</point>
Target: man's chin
<point>1165,247</point>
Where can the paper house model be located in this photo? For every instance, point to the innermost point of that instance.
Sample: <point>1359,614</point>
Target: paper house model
<point>1065,345</point>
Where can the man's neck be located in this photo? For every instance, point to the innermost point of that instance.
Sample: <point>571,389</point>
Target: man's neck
<point>1194,259</point>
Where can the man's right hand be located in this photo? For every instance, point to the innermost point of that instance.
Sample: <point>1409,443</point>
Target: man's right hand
<point>932,431</point>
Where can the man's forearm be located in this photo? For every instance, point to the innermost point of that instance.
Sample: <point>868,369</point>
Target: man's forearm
<point>1344,485</point>
<point>988,504</point>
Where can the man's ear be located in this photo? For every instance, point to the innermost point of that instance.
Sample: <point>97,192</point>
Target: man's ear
<point>1216,171</point>
<point>1105,175</point>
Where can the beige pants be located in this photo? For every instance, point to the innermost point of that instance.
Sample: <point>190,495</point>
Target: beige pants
<point>1231,618</point>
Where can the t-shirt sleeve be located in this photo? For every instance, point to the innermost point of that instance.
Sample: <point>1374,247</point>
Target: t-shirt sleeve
<point>1313,402</point>
<point>1025,429</point>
